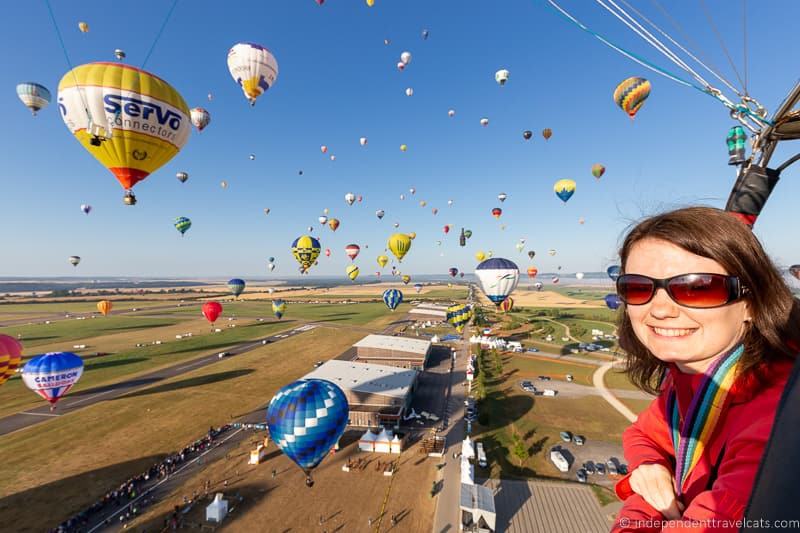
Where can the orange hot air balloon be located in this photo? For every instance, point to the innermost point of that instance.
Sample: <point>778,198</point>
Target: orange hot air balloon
<point>10,357</point>
<point>532,271</point>
<point>333,224</point>
<point>496,212</point>
<point>104,306</point>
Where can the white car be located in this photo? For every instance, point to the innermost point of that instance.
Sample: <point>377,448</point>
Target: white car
<point>223,354</point>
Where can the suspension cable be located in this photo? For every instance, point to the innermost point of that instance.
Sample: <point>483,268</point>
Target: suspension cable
<point>721,42</point>
<point>160,31</point>
<point>744,43</point>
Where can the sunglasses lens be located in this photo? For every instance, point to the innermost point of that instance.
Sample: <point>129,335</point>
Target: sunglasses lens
<point>700,290</point>
<point>635,290</point>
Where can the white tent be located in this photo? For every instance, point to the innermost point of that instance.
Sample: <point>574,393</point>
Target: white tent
<point>467,471</point>
<point>217,510</point>
<point>467,449</point>
<point>383,442</point>
<point>367,442</point>
<point>397,444</point>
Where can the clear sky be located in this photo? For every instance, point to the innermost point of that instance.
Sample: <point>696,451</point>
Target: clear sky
<point>338,82</point>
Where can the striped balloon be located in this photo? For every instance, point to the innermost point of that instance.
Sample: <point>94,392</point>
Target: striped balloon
<point>498,278</point>
<point>306,419</point>
<point>507,304</point>
<point>10,357</point>
<point>53,374</point>
<point>183,224</point>
<point>392,298</point>
<point>33,95</point>
<point>458,315</point>
<point>236,286</point>
<point>631,94</point>
<point>305,250</point>
<point>279,308</point>
<point>352,272</point>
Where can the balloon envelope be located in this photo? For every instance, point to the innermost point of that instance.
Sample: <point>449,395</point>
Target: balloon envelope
<point>254,68</point>
<point>52,375</point>
<point>392,298</point>
<point>631,94</point>
<point>182,224</point>
<point>498,277</point>
<point>306,250</point>
<point>104,306</point>
<point>34,96</point>
<point>399,244</point>
<point>612,301</point>
<point>212,310</point>
<point>564,189</point>
<point>278,307</point>
<point>10,357</point>
<point>236,286</point>
<point>613,272</point>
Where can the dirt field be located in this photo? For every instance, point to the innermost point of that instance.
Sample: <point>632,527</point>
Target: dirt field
<point>548,299</point>
<point>344,500</point>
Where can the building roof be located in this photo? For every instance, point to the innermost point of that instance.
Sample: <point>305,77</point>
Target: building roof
<point>429,312</point>
<point>398,344</point>
<point>477,497</point>
<point>432,307</point>
<point>367,378</point>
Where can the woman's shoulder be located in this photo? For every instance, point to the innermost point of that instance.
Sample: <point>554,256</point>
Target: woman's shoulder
<point>763,383</point>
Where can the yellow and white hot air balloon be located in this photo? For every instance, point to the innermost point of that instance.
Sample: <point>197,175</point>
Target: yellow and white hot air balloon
<point>83,26</point>
<point>399,244</point>
<point>254,68</point>
<point>130,120</point>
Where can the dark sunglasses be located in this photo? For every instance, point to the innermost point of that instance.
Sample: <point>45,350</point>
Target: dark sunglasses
<point>700,291</point>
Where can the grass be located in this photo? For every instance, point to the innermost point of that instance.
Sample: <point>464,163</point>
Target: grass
<point>615,379</point>
<point>637,406</point>
<point>580,293</point>
<point>87,306</point>
<point>69,330</point>
<point>100,446</point>
<point>523,367</point>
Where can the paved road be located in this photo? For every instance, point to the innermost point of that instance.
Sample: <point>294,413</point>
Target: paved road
<point>600,385</point>
<point>91,396</point>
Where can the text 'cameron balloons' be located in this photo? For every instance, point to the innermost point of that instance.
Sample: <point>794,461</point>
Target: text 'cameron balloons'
<point>613,272</point>
<point>306,419</point>
<point>52,375</point>
<point>392,298</point>
<point>130,120</point>
<point>212,310</point>
<point>498,278</point>
<point>278,308</point>
<point>631,94</point>
<point>236,286</point>
<point>399,244</point>
<point>104,306</point>
<point>305,250</point>
<point>612,301</point>
<point>254,68</point>
<point>10,357</point>
<point>33,95</point>
<point>564,189</point>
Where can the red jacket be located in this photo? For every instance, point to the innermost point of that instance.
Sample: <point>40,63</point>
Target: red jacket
<point>736,448</point>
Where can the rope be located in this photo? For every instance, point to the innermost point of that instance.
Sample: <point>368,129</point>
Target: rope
<point>721,42</point>
<point>160,31</point>
<point>744,41</point>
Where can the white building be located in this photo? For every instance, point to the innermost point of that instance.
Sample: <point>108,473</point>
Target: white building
<point>478,514</point>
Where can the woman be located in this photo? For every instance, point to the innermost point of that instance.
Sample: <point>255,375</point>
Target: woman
<point>707,326</point>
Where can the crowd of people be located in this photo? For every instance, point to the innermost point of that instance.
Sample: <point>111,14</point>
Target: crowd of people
<point>126,494</point>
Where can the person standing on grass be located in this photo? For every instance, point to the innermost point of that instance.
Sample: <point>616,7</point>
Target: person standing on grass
<point>709,325</point>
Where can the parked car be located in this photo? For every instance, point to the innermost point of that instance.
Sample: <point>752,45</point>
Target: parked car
<point>622,469</point>
<point>601,468</point>
<point>580,440</point>
<point>612,466</point>
<point>223,354</point>
<point>533,350</point>
<point>544,378</point>
<point>589,467</point>
<point>566,436</point>
<point>581,475</point>
<point>481,455</point>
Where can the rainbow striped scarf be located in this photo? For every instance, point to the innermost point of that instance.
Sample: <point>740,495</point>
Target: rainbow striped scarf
<point>689,440</point>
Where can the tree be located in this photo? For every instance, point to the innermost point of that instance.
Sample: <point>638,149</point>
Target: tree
<point>520,451</point>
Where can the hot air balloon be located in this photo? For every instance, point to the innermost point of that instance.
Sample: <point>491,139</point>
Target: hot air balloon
<point>468,233</point>
<point>352,272</point>
<point>223,184</point>
<point>379,213</point>
<point>425,34</point>
<point>736,145</point>
<point>794,270</point>
<point>104,306</point>
<point>423,203</point>
<point>598,170</point>
<point>399,244</point>
<point>418,287</point>
<point>498,278</point>
<point>271,260</point>
<point>182,176</point>
<point>459,315</point>
<point>108,107</point>
<point>327,252</point>
<point>278,308</point>
<point>531,254</point>
<point>612,301</point>
<point>484,122</point>
<point>631,94</point>
<point>527,134</point>
<point>306,419</point>
<point>333,223</point>
<point>211,310</point>
<point>564,189</point>
<point>382,260</point>
<point>86,208</point>
<point>496,212</point>
<point>252,157</point>
<point>271,266</point>
<point>52,375</point>
<point>271,290</point>
<point>84,27</point>
<point>412,235</point>
<point>236,286</point>
<point>352,251</point>
<point>532,271</point>
<point>409,91</point>
<point>74,260</point>
<point>10,357</point>
<point>405,58</point>
<point>538,285</point>
<point>453,271</point>
<point>305,250</point>
<point>254,68</point>
<point>547,133</point>
<point>266,210</point>
<point>579,275</point>
<point>555,280</point>
<point>507,304</point>
<point>405,278</point>
<point>434,211</point>
<point>120,54</point>
<point>502,197</point>
<point>613,272</point>
<point>200,118</point>
<point>392,298</point>
<point>322,219</point>
<point>519,246</point>
<point>350,198</point>
<point>446,229</point>
<point>480,256</point>
<point>403,148</point>
<point>551,252</point>
<point>33,95</point>
<point>182,224</point>
<point>501,76</point>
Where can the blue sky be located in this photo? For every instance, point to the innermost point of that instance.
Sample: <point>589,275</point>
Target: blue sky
<point>338,82</point>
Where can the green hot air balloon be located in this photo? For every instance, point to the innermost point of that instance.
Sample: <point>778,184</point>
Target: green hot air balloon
<point>183,224</point>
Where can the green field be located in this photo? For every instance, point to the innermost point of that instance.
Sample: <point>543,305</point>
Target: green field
<point>582,293</point>
<point>618,380</point>
<point>523,367</point>
<point>71,329</point>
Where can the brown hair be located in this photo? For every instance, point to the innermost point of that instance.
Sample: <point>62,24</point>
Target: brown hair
<point>715,234</point>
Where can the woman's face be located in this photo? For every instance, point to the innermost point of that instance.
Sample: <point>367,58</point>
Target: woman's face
<point>691,338</point>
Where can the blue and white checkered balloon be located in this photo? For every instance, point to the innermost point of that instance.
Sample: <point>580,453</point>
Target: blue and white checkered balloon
<point>306,419</point>
<point>392,298</point>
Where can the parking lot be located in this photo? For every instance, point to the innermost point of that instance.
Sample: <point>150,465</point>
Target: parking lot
<point>568,389</point>
<point>595,451</point>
